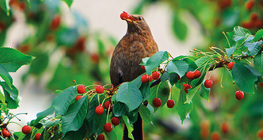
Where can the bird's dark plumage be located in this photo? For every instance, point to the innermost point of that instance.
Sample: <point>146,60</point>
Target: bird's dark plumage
<point>137,43</point>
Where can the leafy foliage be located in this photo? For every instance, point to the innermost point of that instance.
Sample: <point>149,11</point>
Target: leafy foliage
<point>128,99</point>
<point>73,119</point>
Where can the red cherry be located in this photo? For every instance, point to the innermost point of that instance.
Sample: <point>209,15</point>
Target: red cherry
<point>239,95</point>
<point>37,136</point>
<point>224,128</point>
<point>215,136</point>
<point>157,102</point>
<point>253,16</point>
<point>124,15</point>
<point>100,137</point>
<point>115,121</point>
<point>170,103</point>
<point>108,127</point>
<point>55,22</point>
<point>81,44</point>
<point>78,97</point>
<point>178,77</point>
<point>150,79</point>
<point>145,78</point>
<point>260,133</point>
<point>190,75</point>
<point>230,65</point>
<point>258,23</point>
<point>208,83</point>
<point>143,67</point>
<point>99,110</point>
<point>22,6</point>
<point>197,74</point>
<point>156,75</point>
<point>107,104</point>
<point>99,89</point>
<point>5,132</point>
<point>187,86</point>
<point>81,89</point>
<point>26,129</point>
<point>249,4</point>
<point>247,24</point>
<point>95,58</point>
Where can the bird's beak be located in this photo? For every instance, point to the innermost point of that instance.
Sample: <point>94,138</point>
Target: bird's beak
<point>130,19</point>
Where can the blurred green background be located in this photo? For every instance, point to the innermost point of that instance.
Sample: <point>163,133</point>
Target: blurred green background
<point>77,43</point>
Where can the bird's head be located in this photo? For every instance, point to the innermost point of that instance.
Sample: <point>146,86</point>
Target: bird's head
<point>136,23</point>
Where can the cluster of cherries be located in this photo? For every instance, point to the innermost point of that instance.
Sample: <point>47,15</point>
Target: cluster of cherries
<point>205,130</point>
<point>26,129</point>
<point>99,110</point>
<point>189,75</point>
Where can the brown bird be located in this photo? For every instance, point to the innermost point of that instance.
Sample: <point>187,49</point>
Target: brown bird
<point>136,44</point>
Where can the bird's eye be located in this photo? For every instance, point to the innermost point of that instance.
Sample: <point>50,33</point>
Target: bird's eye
<point>140,18</point>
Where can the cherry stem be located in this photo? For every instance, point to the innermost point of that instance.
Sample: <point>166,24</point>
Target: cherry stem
<point>108,115</point>
<point>227,39</point>
<point>104,100</point>
<point>98,98</point>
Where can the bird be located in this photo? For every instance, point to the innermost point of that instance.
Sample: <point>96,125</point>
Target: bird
<point>135,45</point>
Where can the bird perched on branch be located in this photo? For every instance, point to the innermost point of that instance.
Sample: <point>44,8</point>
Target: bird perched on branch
<point>137,43</point>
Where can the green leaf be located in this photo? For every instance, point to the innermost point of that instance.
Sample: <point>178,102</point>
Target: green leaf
<point>120,109</point>
<point>12,59</point>
<point>230,51</point>
<point>191,94</point>
<point>145,90</point>
<point>5,76</point>
<point>11,95</point>
<point>62,101</point>
<point>191,62</point>
<point>19,135</point>
<point>40,64</point>
<point>75,115</point>
<point>177,66</point>
<point>204,92</point>
<point>258,62</point>
<point>2,98</point>
<point>258,35</point>
<point>183,108</point>
<point>165,76</point>
<point>179,27</point>
<point>4,4</point>
<point>74,135</point>
<point>204,61</point>
<point>159,91</point>
<point>241,33</point>
<point>253,47</point>
<point>253,70</point>
<point>42,115</point>
<point>116,133</point>
<point>243,77</point>
<point>173,77</point>
<point>155,60</point>
<point>68,2</point>
<point>129,126</point>
<point>146,113</point>
<point>130,95</point>
<point>52,123</point>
